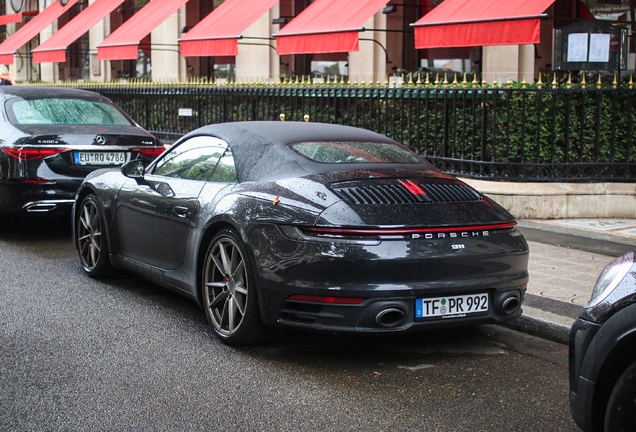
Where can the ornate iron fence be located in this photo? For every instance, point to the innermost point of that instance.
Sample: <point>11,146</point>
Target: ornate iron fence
<point>515,132</point>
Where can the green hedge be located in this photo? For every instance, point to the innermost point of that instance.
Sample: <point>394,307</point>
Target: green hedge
<point>517,132</point>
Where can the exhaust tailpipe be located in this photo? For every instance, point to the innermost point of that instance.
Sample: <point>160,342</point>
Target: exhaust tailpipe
<point>390,317</point>
<point>45,205</point>
<point>510,305</point>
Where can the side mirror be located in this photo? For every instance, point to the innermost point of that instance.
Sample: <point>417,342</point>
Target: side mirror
<point>134,169</point>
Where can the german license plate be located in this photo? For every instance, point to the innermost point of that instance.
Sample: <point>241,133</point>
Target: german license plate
<point>99,158</point>
<point>451,306</point>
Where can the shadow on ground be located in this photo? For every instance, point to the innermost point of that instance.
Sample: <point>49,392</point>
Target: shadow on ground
<point>35,227</point>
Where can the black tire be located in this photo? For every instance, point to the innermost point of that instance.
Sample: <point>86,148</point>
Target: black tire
<point>229,292</point>
<point>92,245</point>
<point>621,407</point>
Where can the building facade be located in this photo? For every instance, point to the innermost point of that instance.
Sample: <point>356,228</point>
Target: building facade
<point>386,46</point>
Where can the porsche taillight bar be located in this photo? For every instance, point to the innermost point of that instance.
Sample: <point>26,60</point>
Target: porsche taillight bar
<point>406,231</point>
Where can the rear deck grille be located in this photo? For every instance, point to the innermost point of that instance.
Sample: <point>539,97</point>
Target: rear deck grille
<point>451,193</point>
<point>393,192</point>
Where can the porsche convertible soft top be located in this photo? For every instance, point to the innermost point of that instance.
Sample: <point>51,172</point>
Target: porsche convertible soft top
<point>262,154</point>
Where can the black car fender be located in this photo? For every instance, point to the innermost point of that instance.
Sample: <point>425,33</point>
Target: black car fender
<point>93,183</point>
<point>107,196</point>
<point>213,226</point>
<point>266,206</point>
<point>248,214</point>
<point>610,351</point>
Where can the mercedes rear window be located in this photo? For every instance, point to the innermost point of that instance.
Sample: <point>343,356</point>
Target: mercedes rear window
<point>57,111</point>
<point>351,152</point>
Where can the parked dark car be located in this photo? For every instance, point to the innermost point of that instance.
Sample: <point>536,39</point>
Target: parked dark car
<point>305,225</point>
<point>51,138</point>
<point>603,352</point>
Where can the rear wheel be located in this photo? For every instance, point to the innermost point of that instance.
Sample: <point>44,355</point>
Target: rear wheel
<point>91,241</point>
<point>621,408</point>
<point>229,291</point>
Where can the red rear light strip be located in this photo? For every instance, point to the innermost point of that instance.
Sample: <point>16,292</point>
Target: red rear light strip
<point>413,187</point>
<point>327,299</point>
<point>152,152</point>
<point>408,231</point>
<point>38,181</point>
<point>33,153</point>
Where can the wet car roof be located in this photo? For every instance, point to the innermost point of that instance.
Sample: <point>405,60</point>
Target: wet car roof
<point>278,132</point>
<point>260,147</point>
<point>28,92</point>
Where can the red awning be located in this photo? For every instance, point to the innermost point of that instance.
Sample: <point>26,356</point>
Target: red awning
<point>123,43</point>
<point>219,32</point>
<point>463,23</point>
<point>11,19</point>
<point>54,48</point>
<point>29,30</point>
<point>327,26</point>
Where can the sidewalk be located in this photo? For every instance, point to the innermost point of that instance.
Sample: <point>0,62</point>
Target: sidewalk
<point>566,257</point>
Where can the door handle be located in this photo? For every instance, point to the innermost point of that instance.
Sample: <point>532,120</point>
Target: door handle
<point>181,211</point>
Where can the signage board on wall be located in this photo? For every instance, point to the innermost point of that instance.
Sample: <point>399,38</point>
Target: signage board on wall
<point>590,45</point>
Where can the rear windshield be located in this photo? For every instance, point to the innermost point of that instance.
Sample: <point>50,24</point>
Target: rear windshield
<point>346,152</point>
<point>67,112</point>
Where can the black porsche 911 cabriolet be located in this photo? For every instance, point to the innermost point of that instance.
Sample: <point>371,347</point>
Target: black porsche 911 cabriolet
<point>306,225</point>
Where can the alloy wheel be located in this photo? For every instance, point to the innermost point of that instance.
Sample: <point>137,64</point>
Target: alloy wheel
<point>89,235</point>
<point>225,286</point>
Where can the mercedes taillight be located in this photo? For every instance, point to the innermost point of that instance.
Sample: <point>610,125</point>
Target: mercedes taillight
<point>32,153</point>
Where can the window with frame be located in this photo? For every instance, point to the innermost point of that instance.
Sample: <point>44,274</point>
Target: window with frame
<point>66,111</point>
<point>349,152</point>
<point>201,158</point>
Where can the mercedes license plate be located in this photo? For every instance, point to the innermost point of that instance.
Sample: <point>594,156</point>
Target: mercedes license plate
<point>451,306</point>
<point>99,158</point>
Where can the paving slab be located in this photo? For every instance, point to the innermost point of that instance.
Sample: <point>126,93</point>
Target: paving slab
<point>566,258</point>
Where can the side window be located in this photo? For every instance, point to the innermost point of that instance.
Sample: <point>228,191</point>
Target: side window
<point>201,158</point>
<point>225,171</point>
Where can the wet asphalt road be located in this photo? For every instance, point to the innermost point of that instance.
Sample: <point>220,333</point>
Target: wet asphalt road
<point>78,354</point>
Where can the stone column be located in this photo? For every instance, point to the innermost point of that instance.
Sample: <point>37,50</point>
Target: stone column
<point>369,63</point>
<point>259,62</point>
<point>512,62</point>
<point>165,50</point>
<point>99,70</point>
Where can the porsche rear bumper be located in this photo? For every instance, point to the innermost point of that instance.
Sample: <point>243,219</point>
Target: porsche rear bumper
<point>388,276</point>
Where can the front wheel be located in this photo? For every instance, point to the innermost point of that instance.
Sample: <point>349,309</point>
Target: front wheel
<point>229,292</point>
<point>621,408</point>
<point>91,241</point>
